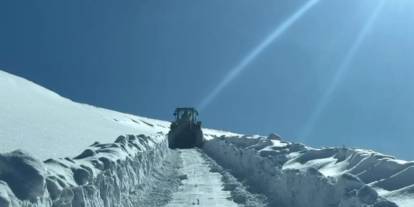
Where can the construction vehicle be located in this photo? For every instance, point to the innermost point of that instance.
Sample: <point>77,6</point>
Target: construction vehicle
<point>185,131</point>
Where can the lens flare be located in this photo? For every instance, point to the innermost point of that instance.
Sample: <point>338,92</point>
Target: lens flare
<point>239,68</point>
<point>342,70</point>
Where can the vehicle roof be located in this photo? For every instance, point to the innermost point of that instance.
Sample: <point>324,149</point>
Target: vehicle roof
<point>186,109</point>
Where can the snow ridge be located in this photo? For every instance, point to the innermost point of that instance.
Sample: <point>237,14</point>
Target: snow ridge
<point>107,175</point>
<point>294,175</point>
<point>48,125</point>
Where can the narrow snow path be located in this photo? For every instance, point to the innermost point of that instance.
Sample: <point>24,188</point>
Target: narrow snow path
<point>202,187</point>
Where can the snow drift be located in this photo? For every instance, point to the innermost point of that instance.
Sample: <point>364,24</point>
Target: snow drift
<point>47,125</point>
<point>294,175</point>
<point>109,175</point>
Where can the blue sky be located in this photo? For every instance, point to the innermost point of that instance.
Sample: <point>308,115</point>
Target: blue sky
<point>331,74</point>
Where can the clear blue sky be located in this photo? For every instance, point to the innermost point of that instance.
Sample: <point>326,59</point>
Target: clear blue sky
<point>334,73</point>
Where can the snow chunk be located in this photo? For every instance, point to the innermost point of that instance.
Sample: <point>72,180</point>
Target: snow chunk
<point>367,195</point>
<point>7,198</point>
<point>24,174</point>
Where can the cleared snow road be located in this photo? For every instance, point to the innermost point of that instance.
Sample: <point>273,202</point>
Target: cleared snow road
<point>202,187</point>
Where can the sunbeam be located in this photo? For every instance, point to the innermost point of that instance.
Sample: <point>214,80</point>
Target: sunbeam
<point>342,70</point>
<point>239,68</point>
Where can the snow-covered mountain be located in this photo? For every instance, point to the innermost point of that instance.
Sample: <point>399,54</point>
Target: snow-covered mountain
<point>98,157</point>
<point>40,121</point>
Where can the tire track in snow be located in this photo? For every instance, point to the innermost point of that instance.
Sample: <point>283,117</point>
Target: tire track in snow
<point>205,183</point>
<point>201,186</point>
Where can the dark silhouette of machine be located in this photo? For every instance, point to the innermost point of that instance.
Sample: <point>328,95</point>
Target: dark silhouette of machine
<point>185,131</point>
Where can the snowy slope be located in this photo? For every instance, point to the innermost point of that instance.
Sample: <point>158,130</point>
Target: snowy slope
<point>122,171</point>
<point>87,161</point>
<point>47,125</point>
<point>92,156</point>
<point>295,175</point>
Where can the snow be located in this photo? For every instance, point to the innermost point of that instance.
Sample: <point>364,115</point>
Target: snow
<point>131,170</point>
<point>205,183</point>
<point>213,133</point>
<point>201,187</point>
<point>42,133</point>
<point>294,175</point>
<point>47,125</point>
<point>117,174</point>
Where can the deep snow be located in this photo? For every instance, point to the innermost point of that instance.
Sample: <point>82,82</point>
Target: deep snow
<point>110,175</point>
<point>55,163</point>
<point>294,175</point>
<point>42,125</point>
<point>47,125</point>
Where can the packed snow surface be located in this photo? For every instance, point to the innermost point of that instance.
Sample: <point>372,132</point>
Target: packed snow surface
<point>200,186</point>
<point>47,125</point>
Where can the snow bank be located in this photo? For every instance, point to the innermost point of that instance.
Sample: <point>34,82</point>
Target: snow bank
<point>44,125</point>
<point>107,175</point>
<point>298,176</point>
<point>239,192</point>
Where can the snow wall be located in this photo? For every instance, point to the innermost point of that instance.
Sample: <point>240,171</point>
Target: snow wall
<point>261,162</point>
<point>107,175</point>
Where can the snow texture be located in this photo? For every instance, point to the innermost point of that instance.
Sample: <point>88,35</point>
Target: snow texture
<point>37,124</point>
<point>239,192</point>
<point>200,186</point>
<point>39,121</point>
<point>107,175</point>
<point>294,175</point>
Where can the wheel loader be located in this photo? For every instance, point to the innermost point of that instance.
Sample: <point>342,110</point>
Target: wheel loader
<point>185,131</point>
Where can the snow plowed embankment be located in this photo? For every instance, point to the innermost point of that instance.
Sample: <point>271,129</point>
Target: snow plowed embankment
<point>272,167</point>
<point>110,175</point>
<point>44,125</point>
